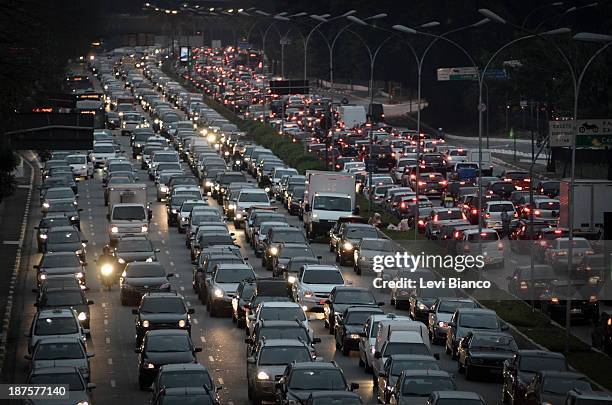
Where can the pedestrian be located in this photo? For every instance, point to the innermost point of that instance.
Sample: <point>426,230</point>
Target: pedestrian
<point>505,218</point>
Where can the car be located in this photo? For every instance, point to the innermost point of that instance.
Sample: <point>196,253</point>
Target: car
<point>161,347</point>
<point>413,385</point>
<point>314,284</point>
<point>465,320</point>
<point>275,237</point>
<point>51,323</point>
<point>367,249</point>
<point>552,387</point>
<point>161,310</point>
<point>334,398</point>
<point>299,380</point>
<point>46,223</point>
<point>66,298</point>
<point>181,395</point>
<point>268,361</point>
<point>294,265</point>
<point>221,286</point>
<point>66,239</point>
<point>557,253</point>
<point>422,300</point>
<point>57,194</point>
<point>527,284</point>
<point>78,389</point>
<point>130,249</point>
<point>55,264</point>
<point>184,213</point>
<point>487,243</point>
<point>61,352</point>
<point>139,278</point>
<point>520,370</point>
<point>342,297</point>
<point>66,208</point>
<point>441,313</point>
<point>276,311</point>
<point>584,304</point>
<point>455,397</point>
<point>484,352</point>
<point>440,216</point>
<point>184,375</point>
<point>393,367</point>
<point>204,267</point>
<point>578,397</point>
<point>350,234</point>
<point>286,251</point>
<point>261,233</point>
<point>349,326</point>
<point>493,215</point>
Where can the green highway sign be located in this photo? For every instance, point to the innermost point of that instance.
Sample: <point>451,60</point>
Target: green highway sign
<point>595,141</point>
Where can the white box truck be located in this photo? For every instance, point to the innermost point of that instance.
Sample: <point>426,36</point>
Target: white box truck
<point>328,196</point>
<point>353,115</point>
<point>592,198</point>
<point>487,160</point>
<point>127,193</point>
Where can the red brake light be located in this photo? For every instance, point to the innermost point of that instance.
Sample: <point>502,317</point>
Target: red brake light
<point>456,234</point>
<point>435,218</point>
<point>403,204</point>
<point>474,211</point>
<point>558,231</point>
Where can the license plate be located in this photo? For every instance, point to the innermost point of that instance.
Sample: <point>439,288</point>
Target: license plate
<point>576,311</point>
<point>321,302</point>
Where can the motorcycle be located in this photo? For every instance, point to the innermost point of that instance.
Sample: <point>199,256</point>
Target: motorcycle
<point>107,275</point>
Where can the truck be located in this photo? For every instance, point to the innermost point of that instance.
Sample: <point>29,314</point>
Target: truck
<point>327,197</point>
<point>591,202</point>
<point>353,115</point>
<point>487,160</point>
<point>127,193</point>
<point>128,219</point>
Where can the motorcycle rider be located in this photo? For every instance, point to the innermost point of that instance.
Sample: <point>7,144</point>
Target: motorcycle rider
<point>107,258</point>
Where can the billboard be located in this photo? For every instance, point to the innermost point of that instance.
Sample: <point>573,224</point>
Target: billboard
<point>589,133</point>
<point>184,53</point>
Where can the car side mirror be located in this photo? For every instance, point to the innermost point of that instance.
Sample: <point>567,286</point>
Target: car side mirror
<point>156,250</point>
<point>170,275</point>
<point>381,303</point>
<point>191,311</point>
<point>452,324</point>
<point>80,210</point>
<point>378,355</point>
<point>328,302</point>
<point>91,354</point>
<point>316,340</point>
<point>437,356</point>
<point>197,350</point>
<point>354,386</point>
<point>134,311</point>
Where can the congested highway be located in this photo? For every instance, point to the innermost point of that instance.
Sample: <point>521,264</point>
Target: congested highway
<point>114,366</point>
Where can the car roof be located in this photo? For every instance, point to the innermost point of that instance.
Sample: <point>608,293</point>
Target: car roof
<point>182,391</point>
<point>55,370</point>
<point>315,365</point>
<point>279,304</point>
<point>283,342</point>
<point>431,373</point>
<point>60,339</point>
<point>64,228</point>
<point>156,295</point>
<point>56,313</point>
<point>476,311</point>
<point>167,332</point>
<point>330,267</point>
<point>334,394</point>
<point>564,374</point>
<point>183,366</point>
<point>404,356</point>
<point>457,395</point>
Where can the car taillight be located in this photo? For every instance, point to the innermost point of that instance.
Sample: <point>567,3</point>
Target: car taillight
<point>536,212</point>
<point>403,205</point>
<point>443,183</point>
<point>421,222</point>
<point>456,235</point>
<point>474,211</point>
<point>500,246</point>
<point>422,183</point>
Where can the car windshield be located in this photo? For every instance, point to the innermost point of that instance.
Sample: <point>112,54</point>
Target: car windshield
<point>494,342</point>
<point>501,207</point>
<point>425,385</point>
<point>479,321</point>
<point>354,297</point>
<point>63,237</point>
<point>233,178</point>
<point>406,348</point>
<point>56,326</point>
<point>282,314</point>
<point>120,167</point>
<point>295,251</point>
<point>70,260</point>
<point>449,307</point>
<point>413,364</point>
<point>136,213</point>
<point>63,299</point>
<point>168,166</point>
<point>331,276</point>
<point>142,137</point>
<point>284,332</point>
<point>104,149</point>
<point>276,356</point>
<point>75,160</point>
<point>268,217</point>
<point>142,245</point>
<point>58,351</point>
<point>57,194</point>
<point>168,343</point>
<point>143,271</point>
<point>361,232</point>
<point>358,317</point>
<point>561,385</point>
<point>233,275</point>
<point>317,380</point>
<point>188,206</point>
<point>72,380</point>
<point>549,205</point>
<point>185,378</point>
<point>165,157</point>
<point>383,245</point>
<point>163,305</point>
<point>533,364</point>
<point>331,203</point>
<point>253,197</point>
<point>289,236</point>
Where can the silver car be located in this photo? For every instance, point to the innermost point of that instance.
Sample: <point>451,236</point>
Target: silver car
<point>52,323</point>
<point>61,352</point>
<point>79,389</point>
<point>369,248</point>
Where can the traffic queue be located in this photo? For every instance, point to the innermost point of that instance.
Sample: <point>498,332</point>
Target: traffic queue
<point>215,182</point>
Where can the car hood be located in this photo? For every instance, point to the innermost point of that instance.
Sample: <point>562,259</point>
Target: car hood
<point>321,288</point>
<point>413,400</point>
<point>56,271</point>
<point>339,308</point>
<point>227,287</point>
<point>135,256</point>
<point>145,281</point>
<point>162,318</point>
<point>273,371</point>
<point>490,355</point>
<point>170,358</point>
<point>75,397</point>
<point>64,247</point>
<point>79,363</point>
<point>443,317</point>
<point>353,328</point>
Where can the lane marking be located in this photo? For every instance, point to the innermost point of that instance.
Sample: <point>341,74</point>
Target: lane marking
<point>221,381</point>
<point>182,288</point>
<point>195,320</point>
<point>171,263</point>
<point>110,361</point>
<point>211,358</point>
<point>177,275</point>
<point>203,339</point>
<point>11,242</point>
<point>113,383</point>
<point>104,305</point>
<point>105,322</point>
<point>167,252</point>
<point>108,341</point>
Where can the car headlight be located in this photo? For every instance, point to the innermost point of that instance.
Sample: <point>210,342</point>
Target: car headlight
<point>422,306</point>
<point>163,189</point>
<point>174,211</point>
<point>114,229</point>
<point>208,184</point>
<point>347,246</point>
<point>182,323</point>
<point>107,269</point>
<point>82,316</point>
<point>144,228</point>
<point>273,250</point>
<point>219,293</point>
<point>82,403</point>
<point>238,162</point>
<point>354,336</point>
<point>79,275</point>
<point>42,276</point>
<point>239,216</point>
<point>150,365</point>
<point>443,324</point>
<point>145,324</point>
<point>267,189</point>
<point>262,375</point>
<point>149,259</point>
<point>46,205</point>
<point>43,236</point>
<point>291,279</point>
<point>231,207</point>
<point>121,260</point>
<point>74,218</point>
<point>123,274</point>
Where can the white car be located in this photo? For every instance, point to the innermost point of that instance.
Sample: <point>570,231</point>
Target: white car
<point>81,166</point>
<point>493,214</point>
<point>101,152</point>
<point>486,243</point>
<point>367,343</point>
<point>247,198</point>
<point>314,284</point>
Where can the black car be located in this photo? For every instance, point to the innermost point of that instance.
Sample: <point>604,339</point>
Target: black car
<point>161,311</point>
<point>66,239</point>
<point>66,297</point>
<point>528,285</point>
<point>393,367</point>
<point>59,264</point>
<point>161,347</point>
<point>204,267</point>
<point>422,301</point>
<point>139,278</point>
<point>67,209</point>
<point>49,221</point>
<point>200,395</point>
<point>584,304</point>
<point>300,380</point>
<point>523,366</point>
<point>134,249</point>
<point>279,330</point>
<point>294,264</point>
<point>342,297</point>
<point>334,398</point>
<point>186,376</point>
<point>113,121</point>
<point>485,352</point>
<point>349,327</point>
<point>241,301</point>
